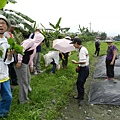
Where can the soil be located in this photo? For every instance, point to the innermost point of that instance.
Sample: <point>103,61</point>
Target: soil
<point>89,111</point>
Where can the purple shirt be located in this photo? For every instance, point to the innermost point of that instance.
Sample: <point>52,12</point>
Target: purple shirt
<point>110,52</point>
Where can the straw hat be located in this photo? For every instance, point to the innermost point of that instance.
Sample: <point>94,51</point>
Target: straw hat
<point>108,39</point>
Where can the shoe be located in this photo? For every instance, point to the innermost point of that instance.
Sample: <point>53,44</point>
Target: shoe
<point>76,97</point>
<point>41,71</point>
<point>81,102</point>
<point>35,73</point>
<point>114,81</point>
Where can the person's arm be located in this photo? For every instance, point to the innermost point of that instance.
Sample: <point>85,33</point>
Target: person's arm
<point>114,56</point>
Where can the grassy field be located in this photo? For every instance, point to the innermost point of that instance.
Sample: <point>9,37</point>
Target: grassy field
<point>50,92</point>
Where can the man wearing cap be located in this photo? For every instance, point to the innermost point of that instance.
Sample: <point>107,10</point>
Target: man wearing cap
<point>5,59</point>
<point>110,59</point>
<point>83,73</point>
<point>9,34</point>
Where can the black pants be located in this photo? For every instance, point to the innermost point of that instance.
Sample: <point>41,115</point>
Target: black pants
<point>12,73</point>
<point>109,69</point>
<point>97,51</point>
<point>82,76</point>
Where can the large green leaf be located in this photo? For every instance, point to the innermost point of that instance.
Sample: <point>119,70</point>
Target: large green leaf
<point>22,15</point>
<point>58,23</point>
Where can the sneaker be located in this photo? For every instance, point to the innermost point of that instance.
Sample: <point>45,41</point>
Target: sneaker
<point>40,71</point>
<point>35,73</point>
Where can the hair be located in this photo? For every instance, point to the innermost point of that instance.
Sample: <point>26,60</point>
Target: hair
<point>78,41</point>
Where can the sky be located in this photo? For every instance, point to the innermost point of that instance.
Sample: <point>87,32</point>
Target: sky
<point>96,15</point>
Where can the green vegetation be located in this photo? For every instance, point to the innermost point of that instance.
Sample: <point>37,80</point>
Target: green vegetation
<point>51,92</point>
<point>15,46</point>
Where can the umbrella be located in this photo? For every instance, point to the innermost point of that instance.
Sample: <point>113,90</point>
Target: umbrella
<point>63,45</point>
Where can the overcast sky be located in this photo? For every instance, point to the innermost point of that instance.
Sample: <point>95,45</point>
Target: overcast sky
<point>102,14</point>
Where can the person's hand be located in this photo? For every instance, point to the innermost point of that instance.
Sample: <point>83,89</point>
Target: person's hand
<point>111,63</point>
<point>18,65</point>
<point>9,54</point>
<point>73,61</point>
<point>31,69</point>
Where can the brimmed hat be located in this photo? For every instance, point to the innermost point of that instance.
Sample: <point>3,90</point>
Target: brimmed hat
<point>6,20</point>
<point>108,39</point>
<point>38,38</point>
<point>76,40</point>
<point>68,37</point>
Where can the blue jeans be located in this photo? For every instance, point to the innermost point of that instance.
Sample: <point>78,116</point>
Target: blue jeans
<point>5,98</point>
<point>54,66</point>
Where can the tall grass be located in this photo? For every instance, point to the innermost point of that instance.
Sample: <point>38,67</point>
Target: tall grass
<point>50,93</point>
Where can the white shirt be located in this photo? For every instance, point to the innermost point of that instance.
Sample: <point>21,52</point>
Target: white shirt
<point>83,56</point>
<point>4,64</point>
<point>50,56</point>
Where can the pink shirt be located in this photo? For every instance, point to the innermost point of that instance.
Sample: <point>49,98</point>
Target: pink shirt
<point>32,44</point>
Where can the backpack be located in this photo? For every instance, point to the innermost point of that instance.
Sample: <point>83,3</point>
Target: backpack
<point>97,44</point>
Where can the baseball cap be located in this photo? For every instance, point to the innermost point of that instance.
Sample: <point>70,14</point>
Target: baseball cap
<point>76,40</point>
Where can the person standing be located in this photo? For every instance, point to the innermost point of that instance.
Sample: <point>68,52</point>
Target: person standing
<point>97,46</point>
<point>24,66</point>
<point>110,59</point>
<point>5,59</point>
<point>36,60</point>
<point>9,34</point>
<point>83,73</point>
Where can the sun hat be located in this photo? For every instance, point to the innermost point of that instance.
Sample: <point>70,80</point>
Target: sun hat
<point>109,39</point>
<point>6,20</point>
<point>38,38</point>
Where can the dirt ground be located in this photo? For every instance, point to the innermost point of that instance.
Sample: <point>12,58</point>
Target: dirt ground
<point>89,111</point>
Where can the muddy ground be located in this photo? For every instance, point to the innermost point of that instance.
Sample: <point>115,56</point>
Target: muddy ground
<point>89,111</point>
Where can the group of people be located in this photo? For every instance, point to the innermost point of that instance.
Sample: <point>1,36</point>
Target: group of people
<point>24,65</point>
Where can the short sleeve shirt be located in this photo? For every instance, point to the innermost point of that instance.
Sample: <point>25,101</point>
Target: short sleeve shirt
<point>110,52</point>
<point>83,56</point>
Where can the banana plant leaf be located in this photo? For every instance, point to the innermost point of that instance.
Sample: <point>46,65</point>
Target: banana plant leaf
<point>22,15</point>
<point>12,1</point>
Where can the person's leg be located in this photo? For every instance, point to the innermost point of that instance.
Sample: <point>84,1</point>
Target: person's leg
<point>98,49</point>
<point>38,62</point>
<point>34,64</point>
<point>53,67</point>
<point>22,73</point>
<point>12,74</point>
<point>82,76</point>
<point>29,79</point>
<point>6,98</point>
<point>109,70</point>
